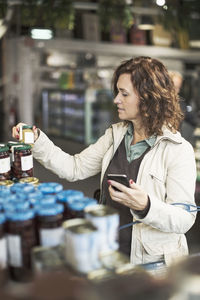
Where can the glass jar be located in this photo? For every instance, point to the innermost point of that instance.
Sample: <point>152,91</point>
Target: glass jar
<point>21,238</point>
<point>3,247</point>
<point>22,159</point>
<point>49,224</point>
<point>66,196</point>
<point>26,134</point>
<point>5,166</point>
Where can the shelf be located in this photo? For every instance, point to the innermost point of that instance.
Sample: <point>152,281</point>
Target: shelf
<point>116,50</point>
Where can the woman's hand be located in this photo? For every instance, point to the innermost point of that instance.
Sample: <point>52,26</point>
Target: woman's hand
<point>16,129</point>
<point>133,197</point>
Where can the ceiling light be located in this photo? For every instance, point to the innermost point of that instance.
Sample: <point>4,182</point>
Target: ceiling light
<point>160,2</point>
<point>41,34</point>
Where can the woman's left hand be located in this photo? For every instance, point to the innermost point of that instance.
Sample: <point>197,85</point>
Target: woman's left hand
<point>133,197</point>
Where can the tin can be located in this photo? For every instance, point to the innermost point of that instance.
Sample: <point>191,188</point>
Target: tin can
<point>106,219</point>
<point>81,245</point>
<point>47,259</point>
<point>26,134</point>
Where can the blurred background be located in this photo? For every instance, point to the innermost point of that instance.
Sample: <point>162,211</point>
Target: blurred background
<point>58,57</point>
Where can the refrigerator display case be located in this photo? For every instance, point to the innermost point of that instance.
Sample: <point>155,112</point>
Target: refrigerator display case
<point>79,114</point>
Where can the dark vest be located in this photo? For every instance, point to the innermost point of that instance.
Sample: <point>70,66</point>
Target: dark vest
<point>120,165</point>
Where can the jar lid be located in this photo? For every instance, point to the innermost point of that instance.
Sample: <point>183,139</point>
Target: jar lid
<point>68,195</point>
<point>27,127</point>
<point>6,183</point>
<point>5,193</point>
<point>22,188</point>
<point>50,187</point>
<point>90,201</point>
<point>35,197</point>
<point>21,147</point>
<point>21,205</point>
<point>14,143</point>
<point>2,218</point>
<point>49,210</point>
<point>77,205</point>
<point>21,215</point>
<point>4,148</point>
<point>31,180</point>
<point>48,199</point>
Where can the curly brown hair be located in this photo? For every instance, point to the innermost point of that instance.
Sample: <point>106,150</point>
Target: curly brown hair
<point>159,102</point>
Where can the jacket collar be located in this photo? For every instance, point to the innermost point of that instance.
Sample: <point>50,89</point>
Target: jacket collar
<point>119,130</point>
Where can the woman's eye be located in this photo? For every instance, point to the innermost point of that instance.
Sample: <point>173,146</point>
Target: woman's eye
<point>125,95</point>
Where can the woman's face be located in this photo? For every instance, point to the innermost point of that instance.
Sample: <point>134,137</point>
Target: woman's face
<point>127,100</point>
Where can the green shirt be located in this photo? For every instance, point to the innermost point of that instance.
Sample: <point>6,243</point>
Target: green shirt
<point>134,151</point>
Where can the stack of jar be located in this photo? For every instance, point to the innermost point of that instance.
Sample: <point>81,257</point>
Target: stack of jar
<point>32,215</point>
<point>16,160</point>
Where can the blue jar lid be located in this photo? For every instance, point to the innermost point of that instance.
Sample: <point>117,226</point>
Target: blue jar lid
<point>21,196</point>
<point>12,198</point>
<point>28,188</point>
<point>2,218</point>
<point>50,187</point>
<point>90,201</point>
<point>5,192</point>
<point>8,206</point>
<point>69,195</point>
<point>77,205</point>
<point>20,215</point>
<point>16,187</point>
<point>50,210</point>
<point>48,199</point>
<point>21,205</point>
<point>35,197</point>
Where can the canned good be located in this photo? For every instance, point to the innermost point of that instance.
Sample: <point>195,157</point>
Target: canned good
<point>114,260</point>
<point>81,245</point>
<point>106,219</point>
<point>5,166</point>
<point>47,259</point>
<point>26,134</point>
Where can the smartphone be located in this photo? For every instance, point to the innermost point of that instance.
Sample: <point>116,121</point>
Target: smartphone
<point>121,178</point>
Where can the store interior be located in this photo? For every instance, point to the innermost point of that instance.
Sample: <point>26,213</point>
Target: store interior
<point>61,82</point>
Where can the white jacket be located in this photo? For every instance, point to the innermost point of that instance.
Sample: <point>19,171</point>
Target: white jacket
<point>167,173</point>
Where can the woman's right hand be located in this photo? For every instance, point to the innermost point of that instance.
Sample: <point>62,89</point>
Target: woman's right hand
<point>16,129</point>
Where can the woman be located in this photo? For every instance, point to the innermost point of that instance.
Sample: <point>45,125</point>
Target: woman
<point>147,147</point>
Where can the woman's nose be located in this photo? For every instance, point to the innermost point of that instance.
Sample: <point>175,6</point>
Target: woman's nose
<point>117,99</point>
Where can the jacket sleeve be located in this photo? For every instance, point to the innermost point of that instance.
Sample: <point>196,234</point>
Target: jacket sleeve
<point>179,188</point>
<point>72,167</point>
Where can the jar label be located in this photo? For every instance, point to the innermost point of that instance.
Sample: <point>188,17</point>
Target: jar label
<point>26,162</point>
<point>4,165</point>
<point>28,137</point>
<point>14,250</point>
<point>51,237</point>
<point>3,253</point>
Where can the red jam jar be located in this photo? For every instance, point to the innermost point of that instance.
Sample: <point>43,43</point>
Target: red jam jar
<point>22,161</point>
<point>5,166</point>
